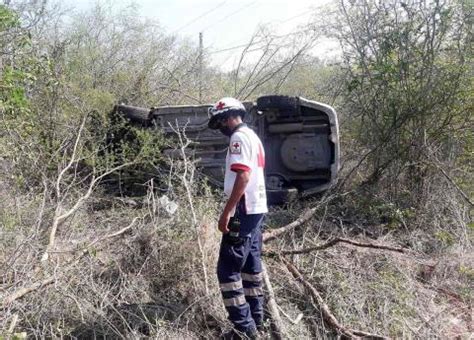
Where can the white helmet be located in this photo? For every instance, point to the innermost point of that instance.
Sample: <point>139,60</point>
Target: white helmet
<point>223,109</point>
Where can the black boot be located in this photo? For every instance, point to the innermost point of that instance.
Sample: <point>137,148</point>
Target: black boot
<point>234,334</point>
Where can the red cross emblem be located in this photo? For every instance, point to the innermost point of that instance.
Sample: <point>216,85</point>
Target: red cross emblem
<point>220,106</point>
<point>235,148</point>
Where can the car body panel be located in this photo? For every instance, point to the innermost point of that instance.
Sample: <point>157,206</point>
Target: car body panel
<point>300,137</point>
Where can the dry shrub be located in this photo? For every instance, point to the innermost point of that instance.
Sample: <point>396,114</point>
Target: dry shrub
<point>149,282</point>
<point>425,292</point>
<point>146,282</point>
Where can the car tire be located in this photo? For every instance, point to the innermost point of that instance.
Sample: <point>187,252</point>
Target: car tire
<point>279,197</point>
<point>277,102</point>
<point>135,115</point>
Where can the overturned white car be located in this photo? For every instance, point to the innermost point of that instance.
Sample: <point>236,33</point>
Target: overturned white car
<point>300,136</point>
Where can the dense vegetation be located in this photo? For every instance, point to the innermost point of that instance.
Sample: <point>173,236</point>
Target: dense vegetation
<point>79,261</point>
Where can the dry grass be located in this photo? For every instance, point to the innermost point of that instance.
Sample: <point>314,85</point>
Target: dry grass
<point>426,292</point>
<point>149,282</point>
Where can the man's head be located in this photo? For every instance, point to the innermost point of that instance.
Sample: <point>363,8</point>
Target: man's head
<point>226,114</point>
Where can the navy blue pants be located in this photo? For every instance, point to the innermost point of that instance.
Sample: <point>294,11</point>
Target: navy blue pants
<point>239,270</point>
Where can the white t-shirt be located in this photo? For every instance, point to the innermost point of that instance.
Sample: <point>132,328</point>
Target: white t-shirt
<point>246,153</point>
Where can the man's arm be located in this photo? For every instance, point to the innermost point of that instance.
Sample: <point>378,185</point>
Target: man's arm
<point>241,180</point>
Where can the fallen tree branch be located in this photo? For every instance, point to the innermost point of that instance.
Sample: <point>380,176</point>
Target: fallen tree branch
<point>366,335</point>
<point>270,235</point>
<point>305,217</point>
<point>328,317</point>
<point>337,240</point>
<point>45,282</point>
<point>23,291</point>
<point>278,330</point>
<point>293,321</point>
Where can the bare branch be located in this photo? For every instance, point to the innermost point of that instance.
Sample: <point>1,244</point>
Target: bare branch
<point>24,291</point>
<point>293,321</point>
<point>328,317</point>
<point>450,180</point>
<point>436,163</point>
<point>337,240</point>
<point>42,283</point>
<point>278,329</point>
<point>242,56</point>
<point>72,159</point>
<point>306,216</point>
<point>187,182</point>
<point>59,218</point>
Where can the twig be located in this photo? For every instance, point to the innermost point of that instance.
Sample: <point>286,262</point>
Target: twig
<point>59,218</point>
<point>306,216</point>
<point>337,240</point>
<point>278,330</point>
<point>450,180</point>
<point>328,317</point>
<point>72,160</point>
<point>271,235</point>
<point>43,205</point>
<point>366,335</point>
<point>295,321</point>
<point>13,323</point>
<point>242,56</point>
<point>23,291</point>
<point>183,144</point>
<point>39,284</point>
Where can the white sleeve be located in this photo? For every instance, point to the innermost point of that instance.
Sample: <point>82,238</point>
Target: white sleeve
<point>240,152</point>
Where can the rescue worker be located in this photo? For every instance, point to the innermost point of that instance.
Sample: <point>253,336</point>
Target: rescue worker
<point>239,267</point>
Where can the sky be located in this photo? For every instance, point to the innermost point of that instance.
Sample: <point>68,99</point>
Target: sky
<point>224,23</point>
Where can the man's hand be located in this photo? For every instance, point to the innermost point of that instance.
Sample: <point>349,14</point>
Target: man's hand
<point>223,222</point>
<point>241,180</point>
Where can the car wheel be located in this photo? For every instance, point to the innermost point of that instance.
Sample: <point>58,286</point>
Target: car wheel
<point>277,102</point>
